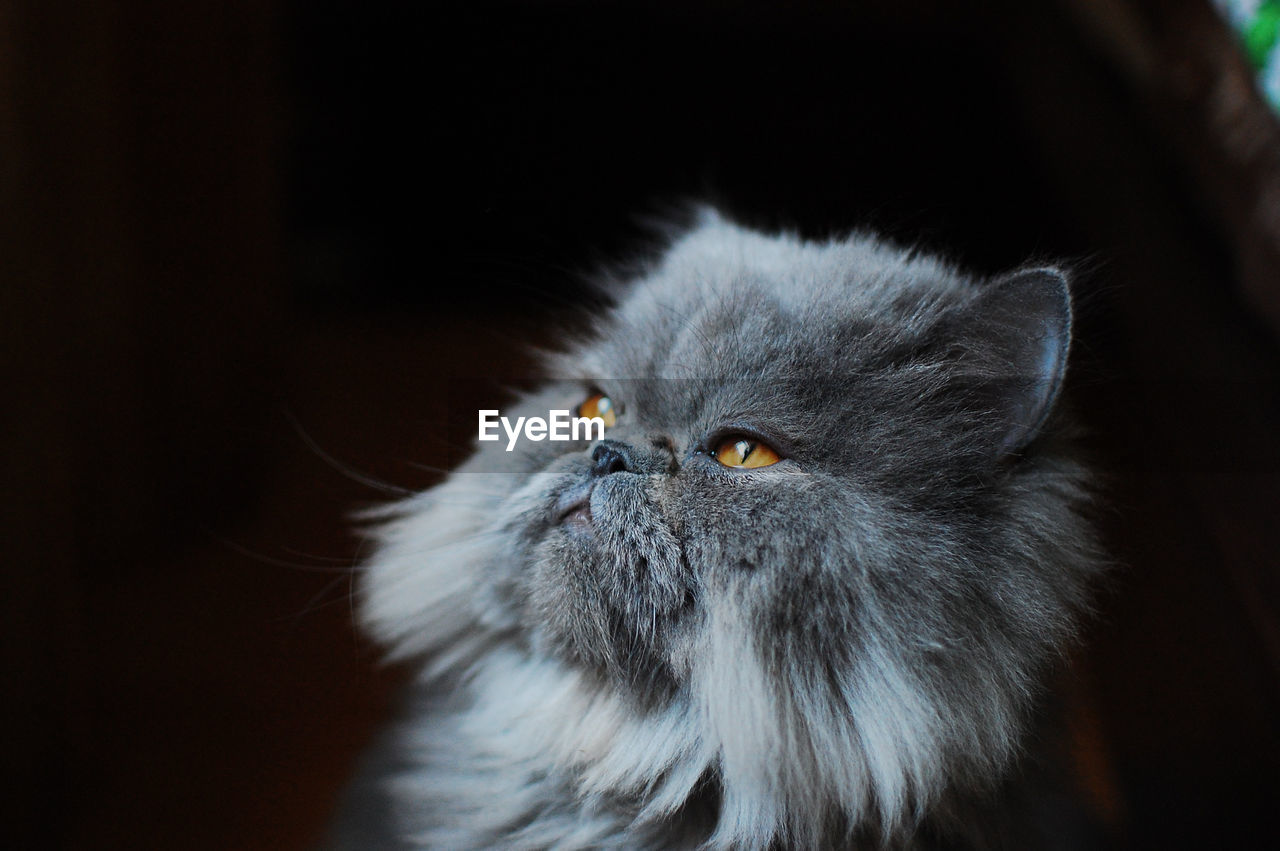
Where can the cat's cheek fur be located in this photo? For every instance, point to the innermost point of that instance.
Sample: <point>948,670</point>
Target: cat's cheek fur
<point>851,740</point>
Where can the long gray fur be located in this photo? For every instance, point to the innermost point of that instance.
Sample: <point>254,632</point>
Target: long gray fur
<point>843,648</point>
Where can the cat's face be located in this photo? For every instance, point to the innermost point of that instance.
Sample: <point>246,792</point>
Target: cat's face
<point>821,511</point>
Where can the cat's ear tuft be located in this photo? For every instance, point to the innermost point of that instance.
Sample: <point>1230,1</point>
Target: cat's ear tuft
<point>1025,319</point>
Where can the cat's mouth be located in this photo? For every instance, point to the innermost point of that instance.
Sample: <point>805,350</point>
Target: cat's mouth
<point>573,508</point>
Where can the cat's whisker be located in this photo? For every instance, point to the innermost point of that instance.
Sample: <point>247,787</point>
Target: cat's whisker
<point>344,469</point>
<point>321,558</point>
<point>427,468</point>
<point>317,603</point>
<point>347,566</point>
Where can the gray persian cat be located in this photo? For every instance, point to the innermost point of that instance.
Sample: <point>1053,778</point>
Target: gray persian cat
<point>800,595</point>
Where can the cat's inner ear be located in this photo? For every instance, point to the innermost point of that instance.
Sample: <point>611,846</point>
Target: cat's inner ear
<point>1024,319</point>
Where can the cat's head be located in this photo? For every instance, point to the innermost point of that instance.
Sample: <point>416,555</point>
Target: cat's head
<point>827,543</point>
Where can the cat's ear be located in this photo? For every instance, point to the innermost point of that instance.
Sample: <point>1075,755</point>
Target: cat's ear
<point>1023,319</point>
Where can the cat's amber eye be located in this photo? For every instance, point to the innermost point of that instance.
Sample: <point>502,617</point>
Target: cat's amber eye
<point>599,405</point>
<point>740,451</point>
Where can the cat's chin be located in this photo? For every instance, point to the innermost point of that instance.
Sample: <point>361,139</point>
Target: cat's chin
<point>605,585</point>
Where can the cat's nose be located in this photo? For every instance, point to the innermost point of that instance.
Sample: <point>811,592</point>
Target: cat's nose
<point>610,456</point>
<point>614,456</point>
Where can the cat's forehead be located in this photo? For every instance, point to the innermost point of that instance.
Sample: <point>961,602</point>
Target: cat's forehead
<point>856,272</point>
<point>730,301</point>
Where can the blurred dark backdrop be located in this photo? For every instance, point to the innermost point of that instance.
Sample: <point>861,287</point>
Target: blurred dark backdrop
<point>263,256</point>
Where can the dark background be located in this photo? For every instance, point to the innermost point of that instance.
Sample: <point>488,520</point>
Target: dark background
<point>261,257</point>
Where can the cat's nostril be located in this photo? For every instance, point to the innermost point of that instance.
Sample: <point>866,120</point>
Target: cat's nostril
<point>608,457</point>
